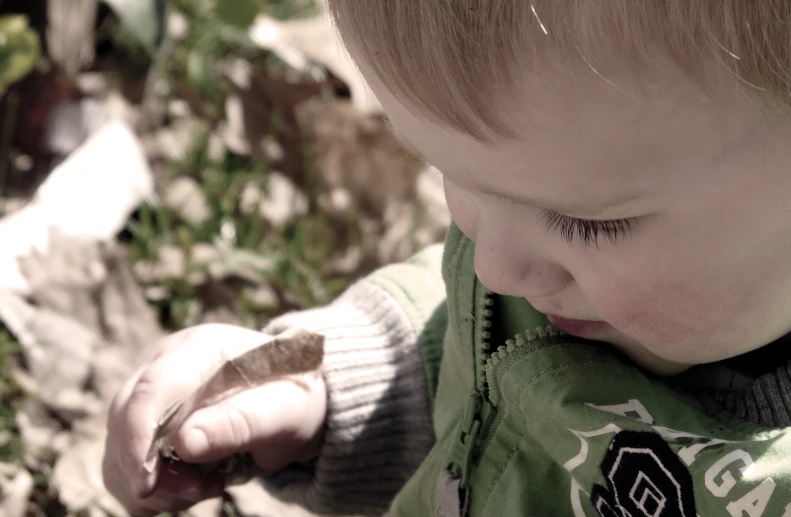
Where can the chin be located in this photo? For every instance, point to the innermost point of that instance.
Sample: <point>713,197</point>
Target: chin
<point>644,357</point>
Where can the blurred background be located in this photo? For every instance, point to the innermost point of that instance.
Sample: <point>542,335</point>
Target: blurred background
<point>165,163</point>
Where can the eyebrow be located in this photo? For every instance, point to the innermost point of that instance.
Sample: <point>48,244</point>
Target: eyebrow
<point>578,209</point>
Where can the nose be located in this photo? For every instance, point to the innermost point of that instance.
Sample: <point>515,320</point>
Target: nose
<point>506,265</point>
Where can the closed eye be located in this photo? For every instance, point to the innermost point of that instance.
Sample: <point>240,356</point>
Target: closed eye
<point>588,231</point>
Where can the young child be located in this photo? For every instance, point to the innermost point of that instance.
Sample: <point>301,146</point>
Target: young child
<point>607,335</point>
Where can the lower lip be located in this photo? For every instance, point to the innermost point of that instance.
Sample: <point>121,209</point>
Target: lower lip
<point>579,328</point>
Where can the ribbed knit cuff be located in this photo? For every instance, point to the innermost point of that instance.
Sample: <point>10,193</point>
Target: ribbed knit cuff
<point>378,427</point>
<point>766,402</point>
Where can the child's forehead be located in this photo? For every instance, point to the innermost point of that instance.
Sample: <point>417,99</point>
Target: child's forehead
<point>650,108</point>
<point>593,145</point>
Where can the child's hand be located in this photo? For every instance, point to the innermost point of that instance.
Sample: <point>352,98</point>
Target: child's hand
<point>278,422</point>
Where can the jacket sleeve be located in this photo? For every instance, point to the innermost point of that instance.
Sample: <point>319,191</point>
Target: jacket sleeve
<point>383,345</point>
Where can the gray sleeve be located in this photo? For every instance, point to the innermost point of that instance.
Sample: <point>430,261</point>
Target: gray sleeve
<point>378,427</point>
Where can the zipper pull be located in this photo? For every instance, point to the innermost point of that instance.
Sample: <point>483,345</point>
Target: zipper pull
<point>460,460</point>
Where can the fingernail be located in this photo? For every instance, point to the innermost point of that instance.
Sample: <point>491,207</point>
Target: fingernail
<point>196,443</point>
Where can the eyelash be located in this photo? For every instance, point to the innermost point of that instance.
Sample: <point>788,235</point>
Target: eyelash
<point>587,231</point>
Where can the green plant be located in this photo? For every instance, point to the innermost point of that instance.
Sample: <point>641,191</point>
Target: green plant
<point>20,49</point>
<point>11,447</point>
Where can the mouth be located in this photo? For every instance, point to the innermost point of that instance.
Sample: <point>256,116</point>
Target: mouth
<point>579,328</point>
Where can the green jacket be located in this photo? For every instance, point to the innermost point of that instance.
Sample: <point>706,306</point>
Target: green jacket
<point>531,422</point>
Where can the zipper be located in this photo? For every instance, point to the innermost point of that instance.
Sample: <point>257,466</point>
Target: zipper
<point>478,416</point>
<point>506,355</point>
<point>480,412</point>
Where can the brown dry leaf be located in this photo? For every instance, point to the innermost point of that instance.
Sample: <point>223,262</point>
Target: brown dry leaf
<point>43,435</point>
<point>414,225</point>
<point>350,150</point>
<point>220,303</point>
<point>70,404</point>
<point>58,350</point>
<point>89,288</point>
<point>128,320</point>
<point>89,306</point>
<point>16,485</point>
<point>399,213</point>
<point>78,478</point>
<point>81,341</point>
<point>66,278</point>
<point>262,97</point>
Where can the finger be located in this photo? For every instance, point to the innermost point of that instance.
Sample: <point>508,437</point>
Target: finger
<point>130,429</point>
<point>179,486</point>
<point>172,376</point>
<point>273,421</point>
<point>156,506</point>
<point>183,481</point>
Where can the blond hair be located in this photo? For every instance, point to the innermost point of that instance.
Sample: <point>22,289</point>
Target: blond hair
<point>451,58</point>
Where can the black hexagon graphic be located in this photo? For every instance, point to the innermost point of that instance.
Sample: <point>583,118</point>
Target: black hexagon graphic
<point>645,478</point>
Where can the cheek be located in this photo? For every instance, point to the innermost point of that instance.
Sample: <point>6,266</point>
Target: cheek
<point>463,208</point>
<point>658,307</point>
<point>677,316</point>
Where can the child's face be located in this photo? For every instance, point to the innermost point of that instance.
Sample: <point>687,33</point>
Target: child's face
<point>703,274</point>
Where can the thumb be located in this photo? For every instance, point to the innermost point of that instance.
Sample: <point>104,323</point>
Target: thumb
<point>277,422</point>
